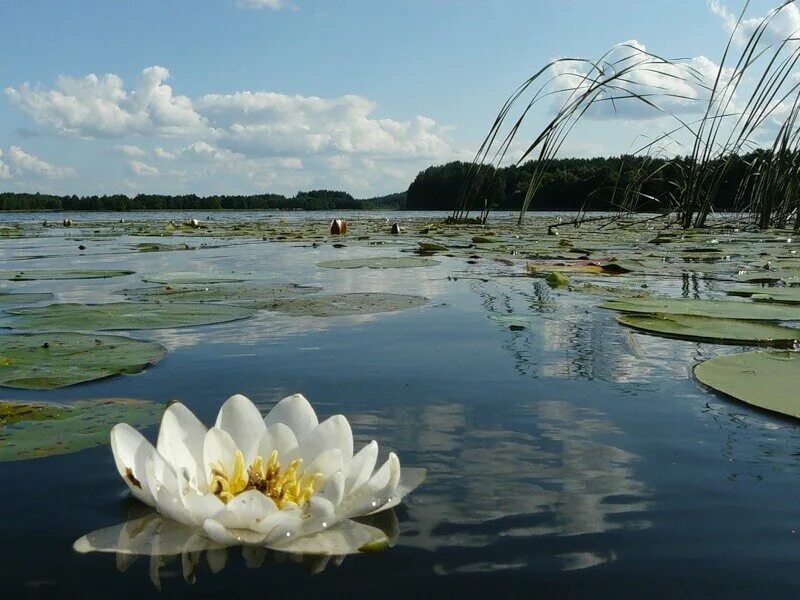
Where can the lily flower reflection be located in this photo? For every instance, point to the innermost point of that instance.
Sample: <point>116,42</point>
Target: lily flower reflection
<point>168,542</point>
<point>285,482</point>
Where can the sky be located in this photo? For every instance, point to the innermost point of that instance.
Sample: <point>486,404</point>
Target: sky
<point>257,96</point>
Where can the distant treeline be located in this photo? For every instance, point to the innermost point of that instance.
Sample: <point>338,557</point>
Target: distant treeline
<point>570,184</point>
<point>313,200</point>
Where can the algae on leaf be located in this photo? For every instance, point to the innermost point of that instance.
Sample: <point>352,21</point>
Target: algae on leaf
<point>46,361</point>
<point>768,380</point>
<point>720,309</point>
<point>122,315</point>
<point>63,428</point>
<point>334,305</point>
<point>712,330</point>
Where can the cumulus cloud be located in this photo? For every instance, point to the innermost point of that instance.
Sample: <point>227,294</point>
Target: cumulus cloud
<point>250,123</point>
<point>270,124</point>
<point>5,170</point>
<point>130,150</point>
<point>101,106</point>
<point>784,24</point>
<point>676,87</point>
<point>142,169</point>
<point>24,163</point>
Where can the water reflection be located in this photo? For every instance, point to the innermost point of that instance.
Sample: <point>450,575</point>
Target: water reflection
<point>171,547</point>
<point>554,474</point>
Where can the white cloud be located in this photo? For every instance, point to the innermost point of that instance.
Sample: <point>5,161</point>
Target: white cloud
<point>270,124</point>
<point>677,87</point>
<point>25,163</point>
<point>142,169</point>
<point>165,154</point>
<point>784,24</point>
<point>130,150</point>
<point>101,107</point>
<point>270,4</point>
<point>5,170</point>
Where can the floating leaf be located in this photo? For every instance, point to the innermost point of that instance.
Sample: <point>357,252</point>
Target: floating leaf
<point>69,427</point>
<point>721,309</point>
<point>231,293</point>
<point>334,305</point>
<point>45,361</point>
<point>768,380</point>
<point>379,262</point>
<point>122,315</point>
<point>42,274</point>
<point>23,298</point>
<point>784,295</point>
<point>714,330</point>
<point>185,278</point>
<point>432,247</point>
<point>557,280</point>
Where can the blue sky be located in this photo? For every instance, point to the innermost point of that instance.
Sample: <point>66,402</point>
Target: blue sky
<point>247,96</point>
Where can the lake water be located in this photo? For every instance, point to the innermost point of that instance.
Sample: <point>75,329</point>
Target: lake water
<point>572,458</point>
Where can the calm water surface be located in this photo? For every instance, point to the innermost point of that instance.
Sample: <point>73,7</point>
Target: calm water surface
<point>572,458</point>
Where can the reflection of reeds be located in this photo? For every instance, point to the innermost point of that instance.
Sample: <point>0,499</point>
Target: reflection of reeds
<point>722,140</point>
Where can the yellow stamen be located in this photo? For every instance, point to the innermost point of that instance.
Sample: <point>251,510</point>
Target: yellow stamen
<point>289,487</point>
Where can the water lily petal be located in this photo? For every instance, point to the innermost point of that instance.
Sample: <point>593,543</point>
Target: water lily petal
<point>161,480</point>
<point>358,471</point>
<point>347,537</point>
<point>326,463</point>
<point>246,511</point>
<point>281,438</point>
<point>130,450</point>
<point>375,494</point>
<point>219,452</point>
<point>180,441</point>
<point>334,488</point>
<point>331,433</point>
<point>200,505</point>
<point>279,524</point>
<point>242,420</point>
<point>295,412</point>
<point>410,479</point>
<point>217,559</point>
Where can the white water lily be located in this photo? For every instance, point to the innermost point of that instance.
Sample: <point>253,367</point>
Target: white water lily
<point>285,482</point>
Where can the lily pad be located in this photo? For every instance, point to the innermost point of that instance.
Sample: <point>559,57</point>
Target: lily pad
<point>23,298</point>
<point>189,278</point>
<point>783,295</point>
<point>432,247</point>
<point>46,274</point>
<point>122,315</point>
<point>231,293</point>
<point>379,262</point>
<point>720,309</point>
<point>334,305</point>
<point>69,427</point>
<point>46,361</point>
<point>768,380</point>
<point>714,330</point>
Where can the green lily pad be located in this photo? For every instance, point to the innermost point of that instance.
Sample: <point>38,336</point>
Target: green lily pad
<point>768,380</point>
<point>783,295</point>
<point>54,429</point>
<point>42,274</point>
<point>711,329</point>
<point>334,305</point>
<point>23,298</point>
<point>13,412</point>
<point>557,279</point>
<point>46,361</point>
<point>185,278</point>
<point>720,309</point>
<point>122,315</point>
<point>432,247</point>
<point>379,262</point>
<point>244,295</point>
